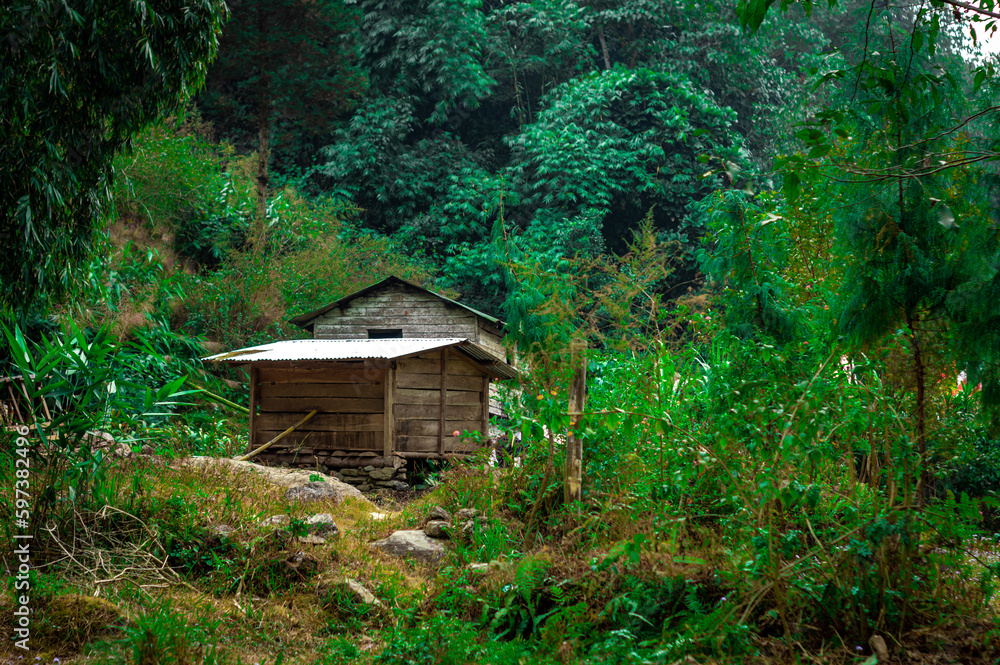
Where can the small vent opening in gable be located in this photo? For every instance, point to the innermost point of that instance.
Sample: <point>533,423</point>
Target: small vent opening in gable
<point>385,333</point>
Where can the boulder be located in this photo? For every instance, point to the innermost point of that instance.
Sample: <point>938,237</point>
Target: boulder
<point>439,513</point>
<point>437,528</point>
<point>411,545</point>
<point>314,491</point>
<point>322,525</point>
<point>466,514</point>
<point>289,478</point>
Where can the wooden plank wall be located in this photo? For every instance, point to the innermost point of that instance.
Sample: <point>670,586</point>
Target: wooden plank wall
<point>491,341</point>
<point>418,314</point>
<point>349,400</point>
<point>417,402</point>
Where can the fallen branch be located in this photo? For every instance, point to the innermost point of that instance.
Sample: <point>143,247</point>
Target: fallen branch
<point>244,458</point>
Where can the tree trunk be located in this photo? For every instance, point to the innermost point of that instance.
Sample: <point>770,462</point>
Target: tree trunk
<point>604,48</point>
<point>577,403</point>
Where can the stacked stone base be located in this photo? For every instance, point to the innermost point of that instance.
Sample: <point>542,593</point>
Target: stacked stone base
<point>365,470</point>
<point>370,478</point>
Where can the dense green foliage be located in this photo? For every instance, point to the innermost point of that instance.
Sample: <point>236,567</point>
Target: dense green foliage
<point>775,229</point>
<point>77,83</point>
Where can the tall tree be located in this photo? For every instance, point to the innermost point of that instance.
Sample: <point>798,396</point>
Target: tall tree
<point>288,64</point>
<point>77,81</point>
<point>906,141</point>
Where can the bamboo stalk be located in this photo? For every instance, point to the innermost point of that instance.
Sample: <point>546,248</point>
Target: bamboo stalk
<point>244,458</point>
<point>223,400</point>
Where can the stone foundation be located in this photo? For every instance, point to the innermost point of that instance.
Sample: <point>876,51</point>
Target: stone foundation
<point>366,471</point>
<point>370,478</point>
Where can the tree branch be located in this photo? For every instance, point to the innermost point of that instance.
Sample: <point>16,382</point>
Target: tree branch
<point>971,8</point>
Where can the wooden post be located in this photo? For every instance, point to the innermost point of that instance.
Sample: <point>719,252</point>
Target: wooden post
<point>443,401</point>
<point>388,419</point>
<point>486,406</point>
<point>577,403</point>
<point>254,380</point>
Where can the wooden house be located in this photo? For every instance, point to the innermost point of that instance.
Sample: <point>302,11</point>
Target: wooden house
<point>397,309</point>
<point>380,392</point>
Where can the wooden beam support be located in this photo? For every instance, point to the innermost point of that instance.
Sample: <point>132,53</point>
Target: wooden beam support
<point>486,406</point>
<point>254,382</point>
<point>443,401</point>
<point>432,455</point>
<point>389,420</point>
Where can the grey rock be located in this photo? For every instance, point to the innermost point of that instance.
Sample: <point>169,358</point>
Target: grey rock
<point>439,513</point>
<point>385,473</point>
<point>349,472</point>
<point>315,491</point>
<point>367,487</point>
<point>368,469</point>
<point>385,484</point>
<point>437,528</point>
<point>322,525</point>
<point>354,480</point>
<point>466,514</point>
<point>222,530</point>
<point>411,545</point>
<point>879,648</point>
<point>276,521</point>
<point>398,485</point>
<point>311,540</point>
<point>480,568</point>
<point>355,589</point>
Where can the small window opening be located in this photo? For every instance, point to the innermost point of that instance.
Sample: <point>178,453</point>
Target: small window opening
<point>385,333</point>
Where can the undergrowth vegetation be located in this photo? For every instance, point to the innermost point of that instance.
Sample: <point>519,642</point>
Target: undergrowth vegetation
<point>751,492</point>
<point>791,433</point>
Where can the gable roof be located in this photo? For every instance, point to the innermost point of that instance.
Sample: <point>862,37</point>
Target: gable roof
<point>360,349</point>
<point>306,320</point>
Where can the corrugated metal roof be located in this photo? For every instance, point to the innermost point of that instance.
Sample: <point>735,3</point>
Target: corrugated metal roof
<point>359,349</point>
<point>305,320</point>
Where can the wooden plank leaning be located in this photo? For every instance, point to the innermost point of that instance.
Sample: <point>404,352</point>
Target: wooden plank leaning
<point>244,458</point>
